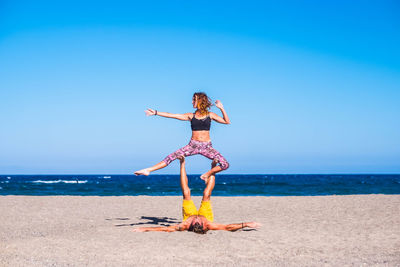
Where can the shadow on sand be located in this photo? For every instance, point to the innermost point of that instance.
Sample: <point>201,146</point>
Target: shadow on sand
<point>160,221</point>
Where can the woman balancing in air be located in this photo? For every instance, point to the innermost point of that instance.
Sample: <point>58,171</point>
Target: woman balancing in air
<point>200,143</point>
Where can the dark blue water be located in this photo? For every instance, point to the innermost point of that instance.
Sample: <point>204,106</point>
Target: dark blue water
<point>226,185</point>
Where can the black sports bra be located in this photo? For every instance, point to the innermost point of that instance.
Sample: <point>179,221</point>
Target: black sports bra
<point>200,124</point>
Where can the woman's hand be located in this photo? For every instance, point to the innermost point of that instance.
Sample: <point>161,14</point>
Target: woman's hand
<point>150,112</point>
<point>218,104</point>
<point>182,117</point>
<point>225,119</point>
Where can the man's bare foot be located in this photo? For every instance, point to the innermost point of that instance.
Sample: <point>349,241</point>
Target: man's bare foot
<point>181,159</point>
<point>145,172</point>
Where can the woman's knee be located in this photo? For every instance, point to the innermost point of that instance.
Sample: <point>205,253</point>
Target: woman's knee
<point>224,164</point>
<point>173,156</point>
<point>167,161</point>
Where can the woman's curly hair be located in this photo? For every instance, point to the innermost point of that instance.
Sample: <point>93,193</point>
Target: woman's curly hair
<point>203,102</point>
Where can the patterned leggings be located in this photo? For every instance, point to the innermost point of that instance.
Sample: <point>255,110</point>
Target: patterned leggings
<point>196,147</point>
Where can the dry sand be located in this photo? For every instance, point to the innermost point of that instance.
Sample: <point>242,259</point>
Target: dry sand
<point>359,230</point>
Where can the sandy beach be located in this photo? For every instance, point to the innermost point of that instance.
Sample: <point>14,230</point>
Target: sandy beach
<point>297,231</point>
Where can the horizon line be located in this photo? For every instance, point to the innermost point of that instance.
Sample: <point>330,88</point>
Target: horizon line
<point>219,174</point>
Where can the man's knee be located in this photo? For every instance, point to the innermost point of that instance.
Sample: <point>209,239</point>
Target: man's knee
<point>207,194</point>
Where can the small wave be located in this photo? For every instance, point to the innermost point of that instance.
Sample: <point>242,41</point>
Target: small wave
<point>60,181</point>
<point>74,182</point>
<point>8,177</point>
<point>148,187</point>
<point>106,177</point>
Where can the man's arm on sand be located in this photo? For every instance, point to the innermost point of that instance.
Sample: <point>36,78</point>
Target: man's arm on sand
<point>233,226</point>
<point>172,228</point>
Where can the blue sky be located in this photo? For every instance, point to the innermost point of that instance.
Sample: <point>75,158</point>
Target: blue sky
<point>310,87</point>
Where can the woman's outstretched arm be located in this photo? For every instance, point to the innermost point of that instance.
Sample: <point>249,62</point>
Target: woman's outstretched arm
<point>225,119</point>
<point>182,117</point>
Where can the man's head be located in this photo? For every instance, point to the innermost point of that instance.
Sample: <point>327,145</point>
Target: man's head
<point>197,226</point>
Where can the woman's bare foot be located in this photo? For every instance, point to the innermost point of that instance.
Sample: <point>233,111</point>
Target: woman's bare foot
<point>145,172</point>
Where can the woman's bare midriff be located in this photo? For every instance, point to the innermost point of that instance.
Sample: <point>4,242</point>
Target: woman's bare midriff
<point>202,136</point>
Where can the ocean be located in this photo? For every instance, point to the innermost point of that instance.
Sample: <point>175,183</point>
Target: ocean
<point>226,185</point>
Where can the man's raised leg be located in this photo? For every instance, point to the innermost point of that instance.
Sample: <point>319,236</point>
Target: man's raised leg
<point>184,180</point>
<point>188,207</point>
<point>209,185</point>
<point>206,207</point>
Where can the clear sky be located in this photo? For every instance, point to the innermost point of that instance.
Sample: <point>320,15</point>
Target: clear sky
<point>309,86</point>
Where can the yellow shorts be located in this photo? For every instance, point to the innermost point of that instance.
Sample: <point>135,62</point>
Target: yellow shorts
<point>189,209</point>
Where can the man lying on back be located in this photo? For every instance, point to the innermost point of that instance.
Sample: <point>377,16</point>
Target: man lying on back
<point>197,221</point>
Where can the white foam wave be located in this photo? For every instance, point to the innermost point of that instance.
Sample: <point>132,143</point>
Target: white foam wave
<point>106,177</point>
<point>61,181</point>
<point>8,177</point>
<point>75,182</point>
